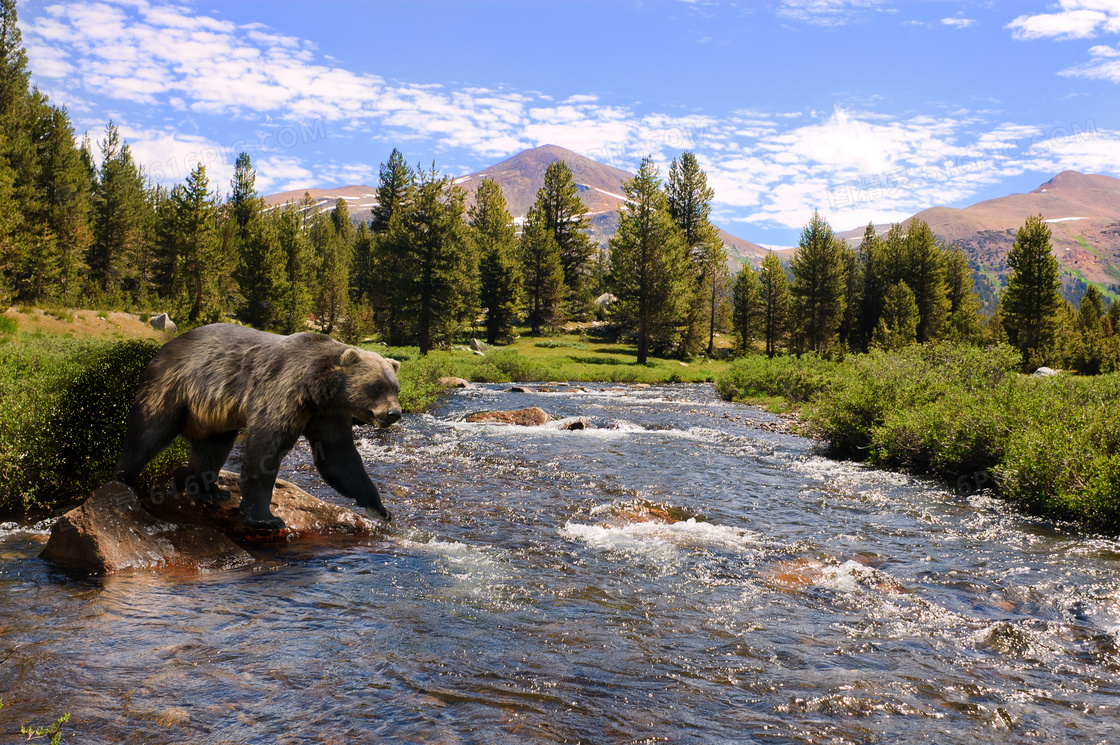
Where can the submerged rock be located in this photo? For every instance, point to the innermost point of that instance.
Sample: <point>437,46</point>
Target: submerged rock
<point>116,531</point>
<point>533,416</point>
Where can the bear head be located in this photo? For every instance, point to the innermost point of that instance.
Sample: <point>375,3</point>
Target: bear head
<point>371,386</point>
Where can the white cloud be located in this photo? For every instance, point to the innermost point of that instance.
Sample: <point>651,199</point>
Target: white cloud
<point>828,12</point>
<point>1103,65</point>
<point>1077,19</point>
<point>958,22</point>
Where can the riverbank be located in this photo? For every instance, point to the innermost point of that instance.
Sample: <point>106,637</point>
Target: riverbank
<point>67,379</point>
<point>963,414</point>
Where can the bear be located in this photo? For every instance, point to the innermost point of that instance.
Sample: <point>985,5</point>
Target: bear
<point>212,381</point>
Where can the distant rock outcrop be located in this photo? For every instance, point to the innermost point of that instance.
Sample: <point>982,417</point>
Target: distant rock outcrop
<point>116,531</point>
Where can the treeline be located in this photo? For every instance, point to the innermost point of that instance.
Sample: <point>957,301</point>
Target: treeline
<point>908,288</point>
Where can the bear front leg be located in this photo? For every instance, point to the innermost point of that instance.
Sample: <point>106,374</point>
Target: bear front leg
<point>264,450</point>
<point>146,437</point>
<point>340,465</point>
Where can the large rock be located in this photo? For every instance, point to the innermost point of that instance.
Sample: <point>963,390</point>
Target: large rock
<point>477,345</point>
<point>452,382</point>
<point>533,416</point>
<point>116,531</point>
<point>163,322</point>
<point>1045,372</point>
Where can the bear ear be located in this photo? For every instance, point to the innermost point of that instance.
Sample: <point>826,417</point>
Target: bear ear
<point>395,363</point>
<point>351,356</point>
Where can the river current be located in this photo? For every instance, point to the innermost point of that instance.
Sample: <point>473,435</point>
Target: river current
<point>674,572</point>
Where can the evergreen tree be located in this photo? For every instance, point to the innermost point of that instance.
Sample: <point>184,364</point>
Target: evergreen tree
<point>332,240</point>
<point>362,278</point>
<point>898,324</point>
<point>1092,309</point>
<point>924,274</point>
<point>500,277</point>
<point>119,217</point>
<point>690,204</point>
<point>649,263</point>
<point>295,294</point>
<point>441,270</point>
<point>542,272</point>
<point>964,323</point>
<point>849,332</point>
<point>818,287</point>
<point>10,254</point>
<point>1032,300</point>
<point>383,279</point>
<point>871,271</point>
<point>774,302</point>
<point>260,267</point>
<point>564,216</point>
<point>745,307</point>
<point>201,260</point>
<point>1113,317</point>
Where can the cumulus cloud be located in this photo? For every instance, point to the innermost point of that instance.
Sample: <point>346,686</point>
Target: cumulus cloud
<point>1076,19</point>
<point>958,22</point>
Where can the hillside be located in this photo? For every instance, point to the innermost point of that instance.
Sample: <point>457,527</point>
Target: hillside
<point>1083,212</point>
<point>600,188</point>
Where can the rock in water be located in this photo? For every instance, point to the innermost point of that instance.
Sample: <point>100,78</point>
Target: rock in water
<point>533,416</point>
<point>115,531</point>
<point>111,533</point>
<point>454,383</point>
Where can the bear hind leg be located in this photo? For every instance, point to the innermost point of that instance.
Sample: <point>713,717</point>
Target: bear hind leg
<point>144,439</point>
<point>199,478</point>
<point>264,450</point>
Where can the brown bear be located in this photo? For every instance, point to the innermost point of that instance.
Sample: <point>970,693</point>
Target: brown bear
<point>213,380</point>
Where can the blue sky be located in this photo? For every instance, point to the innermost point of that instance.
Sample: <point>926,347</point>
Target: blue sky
<point>861,109</point>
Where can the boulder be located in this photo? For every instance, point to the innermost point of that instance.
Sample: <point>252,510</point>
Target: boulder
<point>517,389</point>
<point>533,416</point>
<point>163,322</point>
<point>454,383</point>
<point>1045,372</point>
<point>573,424</point>
<point>605,299</point>
<point>116,531</point>
<point>479,346</point>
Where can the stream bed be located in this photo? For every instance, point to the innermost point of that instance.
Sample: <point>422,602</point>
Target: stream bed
<point>675,572</point>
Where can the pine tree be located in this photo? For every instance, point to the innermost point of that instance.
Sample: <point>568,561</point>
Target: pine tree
<point>495,236</point>
<point>650,271</point>
<point>818,287</point>
<point>260,266</point>
<point>1092,309</point>
<point>564,216</point>
<point>898,324</point>
<point>295,294</point>
<point>201,259</point>
<point>964,323</point>
<point>332,241</point>
<point>119,217</point>
<point>9,248</point>
<point>1032,300</point>
<point>690,204</point>
<point>383,279</point>
<point>848,332</point>
<point>542,273</point>
<point>745,308</point>
<point>871,270</point>
<point>441,290</point>
<point>925,276</point>
<point>774,302</point>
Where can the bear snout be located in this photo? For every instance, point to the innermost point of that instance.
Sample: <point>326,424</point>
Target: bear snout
<point>389,418</point>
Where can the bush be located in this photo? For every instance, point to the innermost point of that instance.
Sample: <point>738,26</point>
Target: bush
<point>8,324</point>
<point>62,436</point>
<point>554,344</point>
<point>797,379</point>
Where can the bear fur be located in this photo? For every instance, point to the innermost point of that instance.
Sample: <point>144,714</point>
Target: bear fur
<point>212,381</point>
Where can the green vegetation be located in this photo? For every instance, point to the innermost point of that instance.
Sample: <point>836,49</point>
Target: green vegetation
<point>66,403</point>
<point>963,414</point>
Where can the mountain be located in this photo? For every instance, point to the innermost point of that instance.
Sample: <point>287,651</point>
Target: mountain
<point>600,188</point>
<point>1083,212</point>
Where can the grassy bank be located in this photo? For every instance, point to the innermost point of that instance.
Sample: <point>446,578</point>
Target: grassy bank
<point>965,415</point>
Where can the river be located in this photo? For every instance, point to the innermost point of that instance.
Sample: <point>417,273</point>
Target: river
<point>534,589</point>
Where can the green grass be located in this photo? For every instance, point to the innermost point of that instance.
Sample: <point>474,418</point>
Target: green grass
<point>533,359</point>
<point>965,415</point>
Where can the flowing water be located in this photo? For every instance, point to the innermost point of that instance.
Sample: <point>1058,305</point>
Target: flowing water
<point>674,573</point>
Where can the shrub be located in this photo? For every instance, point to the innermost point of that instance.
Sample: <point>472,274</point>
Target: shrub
<point>8,324</point>
<point>797,379</point>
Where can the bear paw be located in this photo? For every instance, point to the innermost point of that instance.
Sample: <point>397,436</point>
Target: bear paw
<point>384,515</point>
<point>270,522</point>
